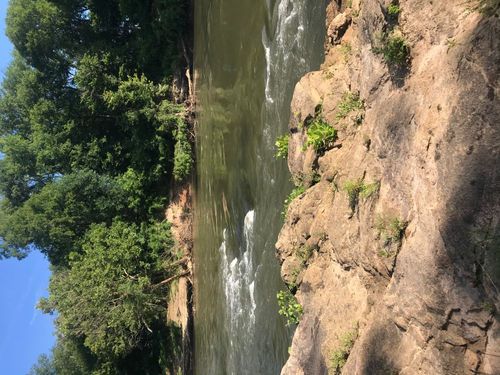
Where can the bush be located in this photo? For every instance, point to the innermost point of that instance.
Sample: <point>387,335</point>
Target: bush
<point>290,309</point>
<point>396,229</point>
<point>282,146</point>
<point>304,253</point>
<point>346,50</point>
<point>391,230</point>
<point>353,188</point>
<point>320,135</point>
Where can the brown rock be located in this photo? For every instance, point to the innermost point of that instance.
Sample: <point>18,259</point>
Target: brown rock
<point>338,27</point>
<point>424,303</point>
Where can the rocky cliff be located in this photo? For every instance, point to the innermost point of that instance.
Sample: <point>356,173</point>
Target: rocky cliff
<point>394,247</point>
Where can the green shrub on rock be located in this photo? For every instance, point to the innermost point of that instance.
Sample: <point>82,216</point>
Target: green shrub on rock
<point>339,356</point>
<point>289,307</point>
<point>393,10</point>
<point>320,135</point>
<point>391,229</point>
<point>394,48</point>
<point>357,188</point>
<point>350,102</point>
<point>282,146</point>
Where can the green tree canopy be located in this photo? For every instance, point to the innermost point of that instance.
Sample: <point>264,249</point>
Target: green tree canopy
<point>56,219</point>
<point>113,294</point>
<point>91,138</point>
<point>44,366</point>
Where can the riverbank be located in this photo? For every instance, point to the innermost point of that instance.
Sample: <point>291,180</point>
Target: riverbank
<point>180,306</point>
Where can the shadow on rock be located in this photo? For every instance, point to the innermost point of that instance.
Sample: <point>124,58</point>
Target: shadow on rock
<point>468,166</point>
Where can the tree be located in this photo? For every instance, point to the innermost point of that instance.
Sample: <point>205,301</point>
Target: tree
<point>114,292</point>
<point>91,137</point>
<point>71,357</point>
<point>37,28</point>
<point>56,219</point>
<point>68,357</point>
<point>44,366</point>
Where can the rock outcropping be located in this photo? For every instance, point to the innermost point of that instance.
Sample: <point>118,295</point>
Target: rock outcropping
<point>396,245</point>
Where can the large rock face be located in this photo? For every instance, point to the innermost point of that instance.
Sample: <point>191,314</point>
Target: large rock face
<point>413,268</point>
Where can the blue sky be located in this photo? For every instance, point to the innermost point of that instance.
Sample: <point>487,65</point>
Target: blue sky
<point>25,332</point>
<point>5,46</point>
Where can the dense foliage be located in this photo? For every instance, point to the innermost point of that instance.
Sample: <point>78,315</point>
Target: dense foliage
<point>111,294</point>
<point>90,139</point>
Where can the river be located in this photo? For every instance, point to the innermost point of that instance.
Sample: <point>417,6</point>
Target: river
<point>249,54</point>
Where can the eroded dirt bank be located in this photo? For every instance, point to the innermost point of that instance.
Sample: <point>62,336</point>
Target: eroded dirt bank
<point>394,246</point>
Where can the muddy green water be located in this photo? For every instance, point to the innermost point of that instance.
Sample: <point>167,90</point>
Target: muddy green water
<point>249,54</point>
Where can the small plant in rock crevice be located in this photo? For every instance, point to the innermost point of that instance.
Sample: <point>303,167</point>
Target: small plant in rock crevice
<point>393,10</point>
<point>282,146</point>
<point>296,192</point>
<point>307,179</point>
<point>289,307</point>
<point>393,48</point>
<point>320,135</point>
<point>339,356</point>
<point>305,252</point>
<point>353,188</point>
<point>451,43</point>
<point>391,230</point>
<point>345,49</point>
<point>295,273</point>
<point>367,190</point>
<point>357,188</point>
<point>396,229</point>
<point>350,102</point>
